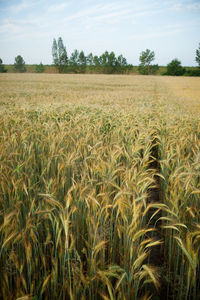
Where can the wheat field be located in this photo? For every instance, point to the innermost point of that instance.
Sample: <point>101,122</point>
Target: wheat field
<point>99,187</point>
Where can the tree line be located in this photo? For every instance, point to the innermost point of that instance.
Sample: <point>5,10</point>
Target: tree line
<point>106,63</point>
<point>78,62</point>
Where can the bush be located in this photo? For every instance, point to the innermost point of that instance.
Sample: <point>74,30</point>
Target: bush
<point>39,68</point>
<point>174,68</point>
<point>148,70</point>
<point>194,72</point>
<point>2,67</point>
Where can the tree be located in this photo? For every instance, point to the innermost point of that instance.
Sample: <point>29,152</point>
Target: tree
<point>174,68</point>
<point>59,54</point>
<point>197,58</point>
<point>90,59</point>
<point>111,63</point>
<point>108,62</point>
<point>121,65</point>
<point>82,60</point>
<point>55,52</point>
<point>145,67</point>
<point>39,68</point>
<point>74,61</point>
<point>96,61</point>
<point>90,62</point>
<point>2,67</point>
<point>19,64</point>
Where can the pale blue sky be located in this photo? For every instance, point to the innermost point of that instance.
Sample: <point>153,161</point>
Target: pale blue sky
<point>170,28</point>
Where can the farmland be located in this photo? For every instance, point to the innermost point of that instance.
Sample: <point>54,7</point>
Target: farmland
<point>99,187</point>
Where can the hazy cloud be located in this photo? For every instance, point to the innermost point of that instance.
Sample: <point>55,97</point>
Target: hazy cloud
<point>57,7</point>
<point>23,5</point>
<point>184,6</point>
<point>156,34</point>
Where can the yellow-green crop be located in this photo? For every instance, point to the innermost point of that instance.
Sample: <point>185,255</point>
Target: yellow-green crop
<point>76,174</point>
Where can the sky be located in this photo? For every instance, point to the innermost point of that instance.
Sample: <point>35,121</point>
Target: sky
<point>169,28</point>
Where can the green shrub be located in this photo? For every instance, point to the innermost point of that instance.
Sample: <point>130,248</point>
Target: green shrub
<point>194,72</point>
<point>39,68</point>
<point>2,67</point>
<point>148,70</point>
<point>174,68</point>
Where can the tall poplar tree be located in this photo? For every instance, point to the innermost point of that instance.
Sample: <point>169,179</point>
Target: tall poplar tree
<point>59,55</point>
<point>197,58</point>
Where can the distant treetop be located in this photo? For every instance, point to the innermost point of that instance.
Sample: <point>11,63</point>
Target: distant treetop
<point>146,58</point>
<point>2,67</point>
<point>197,58</point>
<point>19,64</point>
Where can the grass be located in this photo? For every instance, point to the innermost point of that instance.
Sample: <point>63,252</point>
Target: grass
<point>76,173</point>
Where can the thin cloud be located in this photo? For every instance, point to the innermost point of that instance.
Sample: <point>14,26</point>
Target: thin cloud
<point>194,6</point>
<point>24,5</point>
<point>58,7</point>
<point>184,6</point>
<point>121,14</point>
<point>18,26</point>
<point>111,13</point>
<point>148,13</point>
<point>158,34</point>
<point>93,10</point>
